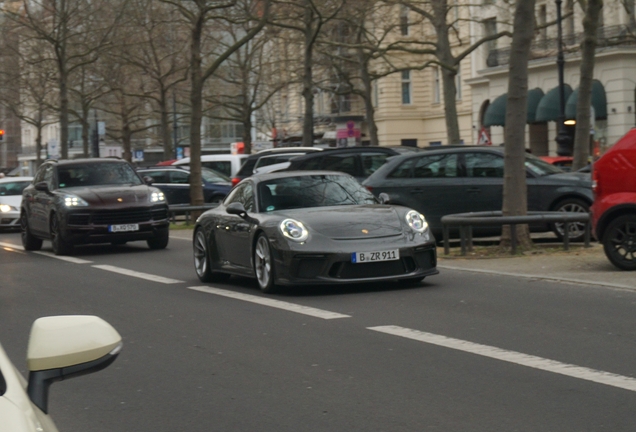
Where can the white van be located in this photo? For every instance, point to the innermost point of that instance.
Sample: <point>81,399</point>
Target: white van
<point>227,164</point>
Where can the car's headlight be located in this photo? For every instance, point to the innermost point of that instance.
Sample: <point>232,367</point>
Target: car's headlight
<point>6,208</point>
<point>416,221</point>
<point>157,196</point>
<point>74,201</point>
<point>294,230</point>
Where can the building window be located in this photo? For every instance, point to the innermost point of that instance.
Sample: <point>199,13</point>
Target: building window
<point>409,142</point>
<point>404,20</point>
<point>458,83</point>
<point>542,23</point>
<point>630,11</point>
<point>569,23</point>
<point>436,86</point>
<point>406,87</point>
<point>490,29</point>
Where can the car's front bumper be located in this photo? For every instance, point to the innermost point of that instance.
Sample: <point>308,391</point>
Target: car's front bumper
<point>10,220</point>
<point>315,267</point>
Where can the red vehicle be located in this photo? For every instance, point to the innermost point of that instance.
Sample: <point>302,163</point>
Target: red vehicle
<point>614,207</point>
<point>563,162</point>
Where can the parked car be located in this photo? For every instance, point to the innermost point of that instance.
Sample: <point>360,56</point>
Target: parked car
<point>226,164</point>
<point>563,162</point>
<point>311,227</point>
<point>10,198</point>
<point>614,208</point>
<point>359,162</point>
<point>60,348</point>
<point>174,182</point>
<point>84,201</point>
<point>270,157</point>
<point>470,179</point>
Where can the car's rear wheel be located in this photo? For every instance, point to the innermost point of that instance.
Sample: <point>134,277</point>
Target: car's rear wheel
<point>202,266</point>
<point>576,229</point>
<point>60,245</point>
<point>619,242</point>
<point>264,265</point>
<point>29,242</point>
<point>160,241</point>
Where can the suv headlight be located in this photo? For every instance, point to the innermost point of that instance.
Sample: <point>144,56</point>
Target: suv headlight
<point>157,196</point>
<point>294,230</point>
<point>416,221</point>
<point>74,201</point>
<point>6,208</point>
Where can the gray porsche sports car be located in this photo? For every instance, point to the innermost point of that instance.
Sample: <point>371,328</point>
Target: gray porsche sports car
<point>311,227</point>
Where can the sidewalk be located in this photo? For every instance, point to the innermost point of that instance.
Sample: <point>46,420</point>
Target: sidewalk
<point>586,266</point>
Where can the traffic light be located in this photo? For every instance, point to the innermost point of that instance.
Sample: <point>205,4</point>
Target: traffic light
<point>1,134</point>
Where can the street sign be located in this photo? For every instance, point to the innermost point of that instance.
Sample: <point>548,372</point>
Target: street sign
<point>484,139</point>
<point>138,155</point>
<point>101,128</point>
<point>53,149</point>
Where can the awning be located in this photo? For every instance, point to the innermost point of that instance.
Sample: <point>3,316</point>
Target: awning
<point>599,102</point>
<point>548,108</point>
<point>495,114</point>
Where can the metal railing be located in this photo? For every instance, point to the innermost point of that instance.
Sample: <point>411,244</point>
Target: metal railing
<point>186,210</point>
<point>466,222</point>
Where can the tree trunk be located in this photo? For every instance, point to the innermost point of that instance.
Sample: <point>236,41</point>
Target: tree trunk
<point>515,199</point>
<point>38,144</point>
<point>247,130</point>
<point>168,152</point>
<point>368,100</point>
<point>308,94</point>
<point>196,102</point>
<point>450,106</point>
<point>85,137</point>
<point>63,113</point>
<point>588,49</point>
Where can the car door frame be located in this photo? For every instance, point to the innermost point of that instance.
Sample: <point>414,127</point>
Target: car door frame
<point>234,234</point>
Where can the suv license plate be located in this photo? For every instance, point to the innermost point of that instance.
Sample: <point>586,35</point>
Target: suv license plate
<point>364,257</point>
<point>123,228</point>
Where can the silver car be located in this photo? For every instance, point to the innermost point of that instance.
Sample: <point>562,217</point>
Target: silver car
<point>10,198</point>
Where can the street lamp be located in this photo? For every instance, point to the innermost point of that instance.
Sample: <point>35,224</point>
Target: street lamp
<point>563,139</point>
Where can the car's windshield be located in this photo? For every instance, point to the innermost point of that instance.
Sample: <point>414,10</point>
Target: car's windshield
<point>96,174</point>
<point>312,191</point>
<point>541,167</point>
<point>13,188</point>
<point>211,176</point>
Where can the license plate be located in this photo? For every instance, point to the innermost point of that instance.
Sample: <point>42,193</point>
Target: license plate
<point>123,228</point>
<point>364,257</point>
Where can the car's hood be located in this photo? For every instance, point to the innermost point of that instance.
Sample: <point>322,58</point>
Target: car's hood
<point>580,177</point>
<point>106,195</point>
<point>12,200</point>
<point>350,222</point>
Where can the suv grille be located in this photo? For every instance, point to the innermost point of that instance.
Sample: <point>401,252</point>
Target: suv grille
<point>113,217</point>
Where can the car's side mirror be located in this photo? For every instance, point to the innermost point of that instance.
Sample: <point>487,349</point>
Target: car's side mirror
<point>42,186</point>
<point>236,208</point>
<point>63,347</point>
<point>148,180</point>
<point>384,198</point>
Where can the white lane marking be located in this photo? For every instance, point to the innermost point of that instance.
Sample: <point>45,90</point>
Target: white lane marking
<point>64,258</point>
<point>541,277</point>
<point>137,274</point>
<point>535,362</point>
<point>305,310</point>
<point>12,246</point>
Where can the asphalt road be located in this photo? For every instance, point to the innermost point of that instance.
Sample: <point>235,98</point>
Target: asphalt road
<point>461,352</point>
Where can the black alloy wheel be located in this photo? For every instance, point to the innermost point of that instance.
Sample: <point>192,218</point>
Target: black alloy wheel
<point>59,243</point>
<point>201,253</point>
<point>29,242</point>
<point>576,229</point>
<point>619,242</point>
<point>264,265</point>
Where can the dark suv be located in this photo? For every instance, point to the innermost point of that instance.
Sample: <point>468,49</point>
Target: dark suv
<point>359,162</point>
<point>269,157</point>
<point>91,201</point>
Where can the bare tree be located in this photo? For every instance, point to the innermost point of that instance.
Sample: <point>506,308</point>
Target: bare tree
<point>307,17</point>
<point>75,31</point>
<point>198,14</point>
<point>448,47</point>
<point>592,10</point>
<point>515,196</point>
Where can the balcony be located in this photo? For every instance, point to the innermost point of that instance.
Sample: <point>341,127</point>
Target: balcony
<point>618,35</point>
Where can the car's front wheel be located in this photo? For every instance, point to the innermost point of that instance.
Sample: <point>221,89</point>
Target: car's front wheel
<point>576,230</point>
<point>202,260</point>
<point>29,242</point>
<point>60,245</point>
<point>159,241</point>
<point>264,265</point>
<point>619,242</point>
